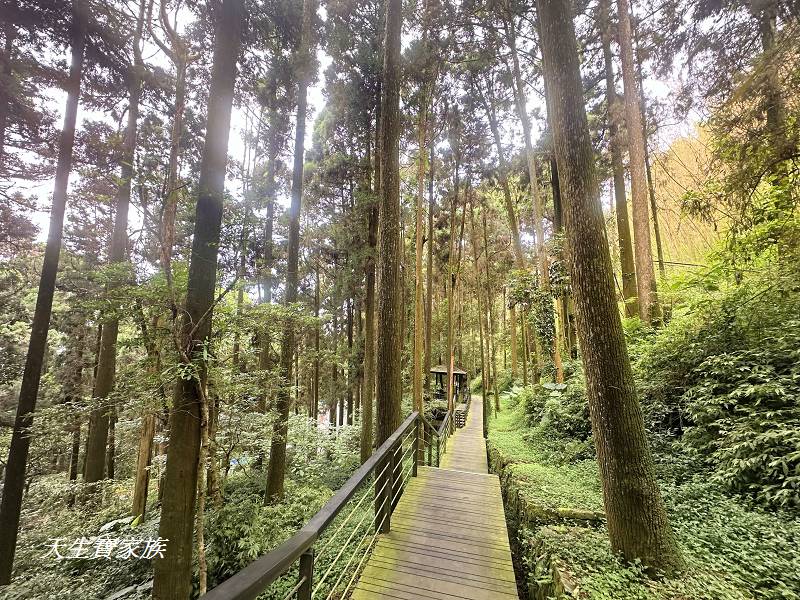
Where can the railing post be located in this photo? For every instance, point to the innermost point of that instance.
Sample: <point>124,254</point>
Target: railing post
<point>307,571</point>
<point>383,493</point>
<point>438,450</point>
<point>430,448</point>
<point>418,430</point>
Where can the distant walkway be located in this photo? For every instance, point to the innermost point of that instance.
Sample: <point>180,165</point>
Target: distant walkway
<point>448,537</point>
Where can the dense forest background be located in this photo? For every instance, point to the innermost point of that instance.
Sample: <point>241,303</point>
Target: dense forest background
<point>187,175</point>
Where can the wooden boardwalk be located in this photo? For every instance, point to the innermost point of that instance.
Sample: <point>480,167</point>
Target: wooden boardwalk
<point>448,537</point>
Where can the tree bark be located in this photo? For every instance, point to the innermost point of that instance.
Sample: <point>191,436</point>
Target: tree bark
<point>645,273</point>
<point>481,320</point>
<point>637,520</point>
<point>451,280</point>
<point>144,457</point>
<point>490,339</point>
<point>651,190</point>
<point>178,53</point>
<point>351,370</point>
<point>317,329</point>
<point>629,293</point>
<point>419,309</point>
<point>14,482</point>
<point>524,348</point>
<point>369,299</point>
<point>536,196</point>
<point>265,335</point>
<point>513,333</point>
<point>277,458</point>
<point>103,416</point>
<point>172,574</point>
<point>389,344</point>
<point>429,274</point>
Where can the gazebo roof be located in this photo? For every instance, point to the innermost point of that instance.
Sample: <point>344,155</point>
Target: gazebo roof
<point>443,369</point>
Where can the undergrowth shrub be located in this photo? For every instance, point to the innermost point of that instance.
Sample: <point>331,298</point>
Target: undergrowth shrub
<point>745,406</point>
<point>723,379</point>
<point>244,528</point>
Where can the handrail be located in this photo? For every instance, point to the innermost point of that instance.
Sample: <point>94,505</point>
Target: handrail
<point>428,424</point>
<point>443,427</point>
<point>251,581</point>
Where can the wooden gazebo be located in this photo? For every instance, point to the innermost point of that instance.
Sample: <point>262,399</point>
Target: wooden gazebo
<point>460,383</point>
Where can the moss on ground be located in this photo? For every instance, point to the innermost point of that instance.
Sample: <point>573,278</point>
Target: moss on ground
<point>574,486</point>
<point>732,551</point>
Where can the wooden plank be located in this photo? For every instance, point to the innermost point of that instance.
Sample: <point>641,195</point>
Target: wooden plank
<point>448,538</point>
<point>430,562</point>
<point>465,588</point>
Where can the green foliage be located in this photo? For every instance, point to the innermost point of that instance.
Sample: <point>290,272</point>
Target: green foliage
<point>722,376</point>
<point>244,528</point>
<point>746,416</point>
<point>558,412</point>
<point>524,288</point>
<point>570,486</point>
<point>732,552</point>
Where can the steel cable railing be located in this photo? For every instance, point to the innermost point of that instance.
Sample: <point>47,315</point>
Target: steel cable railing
<point>336,543</point>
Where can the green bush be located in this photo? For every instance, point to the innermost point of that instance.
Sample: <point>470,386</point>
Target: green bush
<point>566,410</point>
<point>746,416</point>
<point>244,528</point>
<point>724,373</point>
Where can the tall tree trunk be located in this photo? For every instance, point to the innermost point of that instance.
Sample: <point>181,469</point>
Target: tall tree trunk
<point>103,414</point>
<point>645,273</point>
<point>429,273</point>
<point>6,81</point>
<point>351,371</point>
<point>178,53</point>
<point>524,347</point>
<point>147,431</point>
<point>265,335</point>
<point>172,573</point>
<point>629,293</point>
<point>277,458</point>
<point>513,333</point>
<point>72,398</point>
<point>389,344</point>
<point>335,396</point>
<point>14,482</point>
<point>143,460</point>
<point>111,448</point>
<point>419,309</point>
<point>451,281</point>
<point>637,520</point>
<point>536,196</point>
<point>567,305</point>
<point>490,340</point>
<point>316,345</point>
<point>369,299</point>
<point>481,320</point>
<point>651,190</point>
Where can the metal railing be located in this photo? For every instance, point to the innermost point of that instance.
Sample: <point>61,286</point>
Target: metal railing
<point>333,546</point>
<point>446,428</point>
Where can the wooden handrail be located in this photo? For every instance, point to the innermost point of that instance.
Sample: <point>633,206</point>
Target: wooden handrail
<point>443,426</point>
<point>251,581</point>
<point>428,424</point>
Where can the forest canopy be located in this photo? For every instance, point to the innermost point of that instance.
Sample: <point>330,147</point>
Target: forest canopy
<point>241,241</point>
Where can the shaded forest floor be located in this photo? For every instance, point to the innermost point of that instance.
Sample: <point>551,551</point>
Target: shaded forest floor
<point>554,506</point>
<point>237,532</point>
